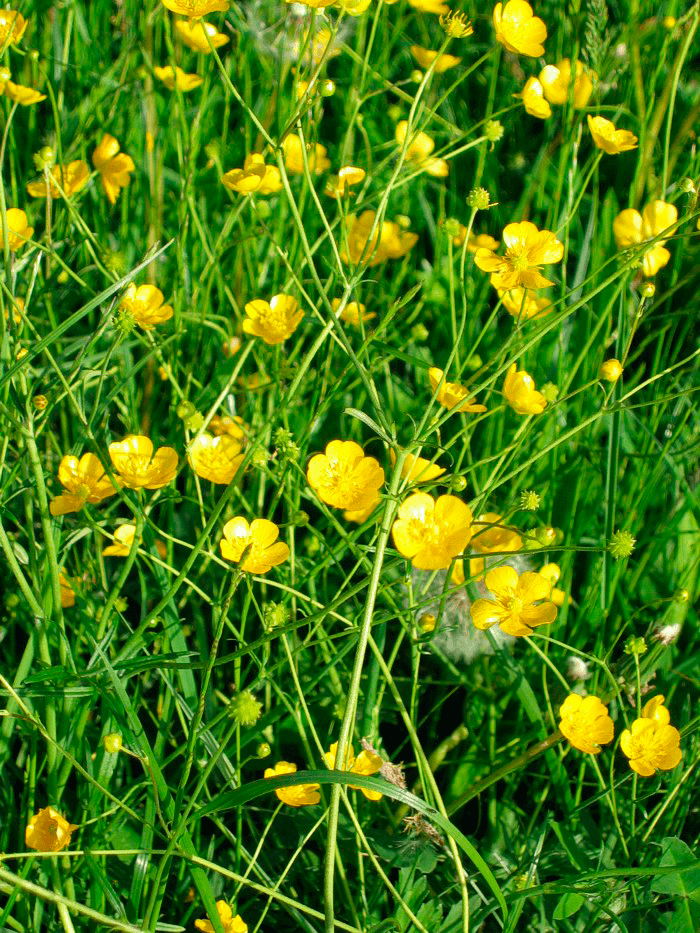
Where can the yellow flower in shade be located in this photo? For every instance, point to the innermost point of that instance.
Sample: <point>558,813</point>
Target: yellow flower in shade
<point>491,537</point>
<point>347,177</point>
<point>523,305</point>
<point>194,35</point>
<point>555,80</point>
<point>215,458</point>
<point>389,241</point>
<point>354,7</point>
<point>533,100</point>
<point>196,9</point>
<point>294,158</point>
<point>123,540</point>
<point>72,178</point>
<point>298,795</point>
<point>233,425</point>
<point>451,394</point>
<point>48,831</point>
<point>114,167</point>
<point>314,4</point>
<point>12,26</point>
<point>428,6</point>
<point>417,469</point>
<point>20,94</point>
<point>426,57</point>
<point>230,923</point>
<point>67,592</point>
<point>419,151</point>
<point>476,241</point>
<point>177,78</point>
<point>354,313</point>
<point>527,248</point>
<point>552,572</point>
<point>520,602</point>
<point>256,542</point>
<point>84,480</point>
<point>145,304</point>
<point>630,228</point>
<point>520,393</point>
<point>608,138</point>
<point>651,744</point>
<point>344,478</point>
<point>361,515</point>
<point>585,723</point>
<point>477,569</point>
<point>610,370</point>
<point>655,709</point>
<point>18,229</point>
<point>367,763</point>
<point>431,533</point>
<point>254,178</point>
<point>272,320</point>
<point>139,467</point>
<point>518,29</point>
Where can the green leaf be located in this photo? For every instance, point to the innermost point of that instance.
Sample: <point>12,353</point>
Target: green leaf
<point>686,881</point>
<point>568,905</point>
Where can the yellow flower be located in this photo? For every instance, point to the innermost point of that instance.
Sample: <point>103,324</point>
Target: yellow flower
<point>527,248</point>
<point>555,80</point>
<point>12,26</point>
<point>233,425</point>
<point>254,178</point>
<point>84,481</point>
<point>361,515</point>
<point>22,95</point>
<point>18,229</point>
<point>419,151</point>
<point>426,57</point>
<point>521,602</point>
<point>389,241</point>
<point>354,313</point>
<point>145,304</point>
<point>48,831</point>
<point>230,923</point>
<point>216,458</point>
<point>477,569</point>
<point>533,99</point>
<point>298,795</point>
<point>552,572</point>
<point>610,370</point>
<point>367,763</point>
<point>354,7</point>
<point>348,176</point>
<point>518,30</point>
<point>630,228</point>
<point>123,540</point>
<point>523,305</point>
<point>139,467</point>
<point>585,723</point>
<point>451,394</point>
<point>343,477</point>
<point>417,469</point>
<point>428,6</point>
<point>432,533</point>
<point>195,9</point>
<point>113,166</point>
<point>655,709</point>
<point>194,35</point>
<point>177,78</point>
<point>476,241</point>
<point>651,744</point>
<point>608,138</point>
<point>275,320</point>
<point>294,158</point>
<point>314,4</point>
<point>72,178</point>
<point>489,536</point>
<point>259,542</point>
<point>67,592</point>
<point>520,393</point>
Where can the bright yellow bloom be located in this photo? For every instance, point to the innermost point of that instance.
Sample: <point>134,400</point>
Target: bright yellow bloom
<point>527,248</point>
<point>651,744</point>
<point>348,176</point>
<point>66,591</point>
<point>476,241</point>
<point>432,533</point>
<point>84,481</point>
<point>555,80</point>
<point>585,723</point>
<point>523,305</point>
<point>298,795</point>
<point>354,312</point>
<point>552,572</point>
<point>177,78</point>
<point>23,95</point>
<point>451,394</point>
<point>367,763</point>
<point>294,158</point>
<point>230,923</point>
<point>233,425</point>
<point>521,602</point>
<point>18,229</point>
<point>194,35</point>
<point>275,320</point>
<point>518,29</point>
<point>418,469</point>
<point>114,167</point>
<point>610,370</point>
<point>48,831</point>
<point>145,304</point>
<point>520,393</point>
<point>123,541</point>
<point>195,9</point>
<point>426,57</point>
<point>477,569</point>
<point>419,151</point>
<point>257,540</point>
<point>354,7</point>
<point>361,515</point>
<point>343,477</point>
<point>533,99</point>
<point>389,241</point>
<point>216,458</point>
<point>254,178</point>
<point>630,228</point>
<point>655,709</point>
<point>428,6</point>
<point>490,537</point>
<point>139,467</point>
<point>608,138</point>
<point>72,178</point>
<point>12,26</point>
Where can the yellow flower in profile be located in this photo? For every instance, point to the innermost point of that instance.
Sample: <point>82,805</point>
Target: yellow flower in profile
<point>298,795</point>
<point>389,241</point>
<point>527,248</point>
<point>84,480</point>
<point>418,469</point>
<point>432,533</point>
<point>139,467</point>
<point>354,312</point>
<point>12,26</point>
<point>145,304</point>
<point>230,923</point>
<point>354,7</point>
<point>608,138</point>
<point>256,542</point>
<point>294,158</point>
<point>556,79</point>
<point>347,177</point>
<point>426,57</point>
<point>490,537</point>
<point>451,394</point>
<point>523,305</point>
<point>533,100</point>
<point>520,602</point>
<point>72,178</point>
<point>48,831</point>
<point>114,167</point>
<point>367,763</point>
<point>177,78</point>
<point>520,393</point>
<point>655,709</point>
<point>552,572</point>
<point>651,745</point>
<point>18,229</point>
<point>476,241</point>
<point>20,94</point>
<point>196,9</point>
<point>67,592</point>
<point>518,29</point>
<point>272,320</point>
<point>585,723</point>
<point>233,425</point>
<point>344,478</point>
<point>254,178</point>
<point>123,541</point>
<point>419,151</point>
<point>215,458</point>
<point>194,35</point>
<point>428,6</point>
<point>630,228</point>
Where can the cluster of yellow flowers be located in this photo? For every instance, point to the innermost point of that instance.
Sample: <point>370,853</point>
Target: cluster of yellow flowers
<point>303,795</point>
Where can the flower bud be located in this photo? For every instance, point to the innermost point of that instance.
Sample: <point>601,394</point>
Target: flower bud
<point>621,544</point>
<point>648,290</point>
<point>112,743</point>
<point>45,158</point>
<point>494,130</point>
<point>479,199</point>
<point>263,750</point>
<point>458,483</point>
<point>681,596</point>
<point>610,370</point>
<point>40,402</point>
<point>327,88</point>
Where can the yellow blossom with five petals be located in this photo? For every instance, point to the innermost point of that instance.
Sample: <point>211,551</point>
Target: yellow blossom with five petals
<point>432,533</point>
<point>177,78</point>
<point>196,9</point>
<point>316,156</point>
<point>123,540</point>
<point>18,229</point>
<point>298,795</point>
<point>451,394</point>
<point>254,178</point>
<point>20,94</point>
<point>344,478</point>
<point>651,745</point>
<point>137,464</point>
<point>84,480</point>
<point>520,602</point>
<point>215,458</point>
<point>48,831</point>
<point>389,240</point>
<point>114,167</point>
<point>607,137</point>
<point>426,57</point>
<point>196,35</point>
<point>532,96</point>
<point>145,304</point>
<point>354,312</point>
<point>520,393</point>
<point>630,228</point>
<point>418,469</point>
<point>71,178</point>
<point>272,320</point>
<point>527,248</point>
<point>419,151</point>
<point>585,722</point>
<point>428,6</point>
<point>230,923</point>
<point>12,27</point>
<point>256,543</point>
<point>556,79</point>
<point>367,763</point>
<point>518,29</point>
<point>347,177</point>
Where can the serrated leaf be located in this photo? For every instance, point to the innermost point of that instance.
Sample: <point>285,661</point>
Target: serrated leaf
<point>568,905</point>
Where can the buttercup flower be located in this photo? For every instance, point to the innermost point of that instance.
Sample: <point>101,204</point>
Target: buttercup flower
<point>527,248</point>
<point>195,9</point>
<point>476,241</point>
<point>419,151</point>
<point>520,393</point>
<point>275,320</point>
<point>232,425</point>
<point>114,167</point>
<point>389,241</point>
<point>314,4</point>
<point>489,536</point>
<point>428,6</point>
<point>298,795</point>
<point>354,313</point>
<point>432,533</point>
<point>48,831</point>
<point>139,467</point>
<point>655,709</point>
<point>18,229</point>
<point>418,469</point>
<point>84,481</point>
<point>72,178</point>
<point>294,157</point>
<point>145,304</point>
<point>254,178</point>
<point>585,723</point>
<point>520,603</point>
<point>216,458</point>
<point>67,592</point>
<point>361,515</point>
<point>354,7</point>
<point>651,744</point>
<point>177,78</point>
<point>630,228</point>
<point>20,94</point>
<point>610,370</point>
<point>344,478</point>
<point>533,99</point>
<point>194,35</point>
<point>230,923</point>
<point>555,80</point>
<point>367,763</point>
<point>426,57</point>
<point>451,394</point>
<point>259,542</point>
<point>518,29</point>
<point>476,569</point>
<point>123,540</point>
<point>608,138</point>
<point>552,572</point>
<point>347,177</point>
<point>12,26</point>
<point>523,305</point>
